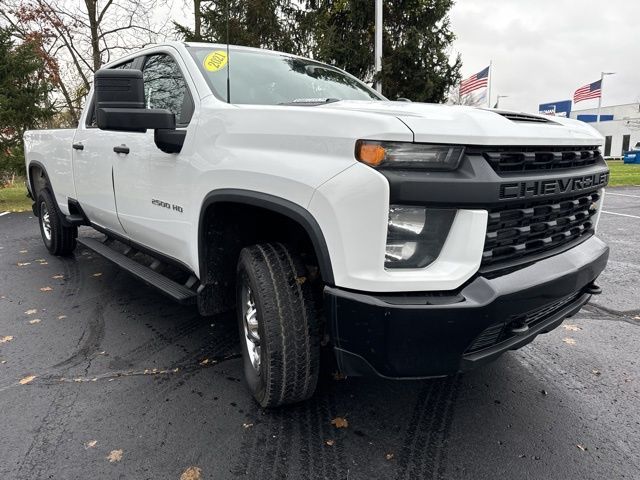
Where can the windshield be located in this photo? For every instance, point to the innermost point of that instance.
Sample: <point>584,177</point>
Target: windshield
<point>271,79</point>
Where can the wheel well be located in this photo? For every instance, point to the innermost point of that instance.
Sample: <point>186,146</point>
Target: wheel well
<point>228,226</point>
<point>38,179</point>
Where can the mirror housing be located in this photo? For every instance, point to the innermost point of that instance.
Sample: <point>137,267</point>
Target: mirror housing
<point>120,105</point>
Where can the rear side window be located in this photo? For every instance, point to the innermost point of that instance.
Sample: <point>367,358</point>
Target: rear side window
<point>165,87</point>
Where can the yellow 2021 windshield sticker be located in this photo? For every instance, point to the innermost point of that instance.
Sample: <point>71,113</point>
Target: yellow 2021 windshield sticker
<point>215,61</point>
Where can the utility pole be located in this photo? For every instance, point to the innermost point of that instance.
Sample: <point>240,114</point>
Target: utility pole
<point>378,44</point>
<point>489,84</point>
<point>604,74</point>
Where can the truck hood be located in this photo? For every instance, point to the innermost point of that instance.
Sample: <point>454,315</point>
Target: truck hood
<point>434,123</point>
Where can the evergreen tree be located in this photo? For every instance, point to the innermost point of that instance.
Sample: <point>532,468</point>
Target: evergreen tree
<point>24,92</point>
<point>416,41</point>
<point>252,23</point>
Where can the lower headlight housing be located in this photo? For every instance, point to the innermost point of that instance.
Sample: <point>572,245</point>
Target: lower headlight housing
<point>416,235</point>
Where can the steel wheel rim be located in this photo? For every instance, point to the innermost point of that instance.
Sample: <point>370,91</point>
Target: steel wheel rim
<point>45,220</point>
<point>250,325</point>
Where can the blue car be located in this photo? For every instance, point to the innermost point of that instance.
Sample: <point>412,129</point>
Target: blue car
<point>633,155</point>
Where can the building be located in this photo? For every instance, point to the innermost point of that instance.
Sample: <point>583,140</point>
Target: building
<point>619,124</point>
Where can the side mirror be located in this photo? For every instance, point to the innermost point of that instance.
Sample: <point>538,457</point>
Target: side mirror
<point>120,106</point>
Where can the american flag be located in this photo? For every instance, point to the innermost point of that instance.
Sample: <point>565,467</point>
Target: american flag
<point>475,82</point>
<point>593,90</point>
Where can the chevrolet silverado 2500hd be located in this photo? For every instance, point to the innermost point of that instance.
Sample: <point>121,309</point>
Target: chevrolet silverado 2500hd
<point>413,240</point>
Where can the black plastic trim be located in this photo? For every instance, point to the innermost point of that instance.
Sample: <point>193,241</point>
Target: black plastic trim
<point>279,205</point>
<point>375,335</point>
<point>144,249</point>
<point>476,185</point>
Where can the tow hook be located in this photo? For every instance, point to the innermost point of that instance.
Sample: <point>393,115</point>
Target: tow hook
<point>593,289</point>
<point>519,326</point>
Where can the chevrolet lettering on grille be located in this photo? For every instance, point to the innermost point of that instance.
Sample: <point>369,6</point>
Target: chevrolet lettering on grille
<point>539,188</point>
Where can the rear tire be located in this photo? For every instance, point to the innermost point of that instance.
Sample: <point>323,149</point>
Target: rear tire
<point>59,239</point>
<point>279,326</point>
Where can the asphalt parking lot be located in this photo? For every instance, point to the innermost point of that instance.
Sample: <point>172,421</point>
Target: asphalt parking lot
<point>102,377</point>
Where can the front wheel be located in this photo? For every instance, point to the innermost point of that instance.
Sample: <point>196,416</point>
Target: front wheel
<point>58,238</point>
<point>278,324</point>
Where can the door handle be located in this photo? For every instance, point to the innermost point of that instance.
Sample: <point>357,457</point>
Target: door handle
<point>121,149</point>
<point>78,146</point>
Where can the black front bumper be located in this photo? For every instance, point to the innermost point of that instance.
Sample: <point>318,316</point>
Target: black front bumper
<point>431,335</point>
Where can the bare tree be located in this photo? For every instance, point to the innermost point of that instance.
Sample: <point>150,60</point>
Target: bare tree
<point>77,38</point>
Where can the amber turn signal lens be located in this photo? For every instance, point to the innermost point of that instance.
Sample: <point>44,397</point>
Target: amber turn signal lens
<point>372,154</point>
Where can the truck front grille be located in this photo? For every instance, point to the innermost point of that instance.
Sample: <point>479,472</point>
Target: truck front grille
<point>518,231</point>
<point>524,159</point>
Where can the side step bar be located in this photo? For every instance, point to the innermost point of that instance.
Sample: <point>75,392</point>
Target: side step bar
<point>176,291</point>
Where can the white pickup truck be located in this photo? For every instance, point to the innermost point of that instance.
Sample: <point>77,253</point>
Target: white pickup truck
<point>413,240</point>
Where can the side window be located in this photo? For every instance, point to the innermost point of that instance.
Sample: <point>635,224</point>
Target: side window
<point>165,87</point>
<point>91,116</point>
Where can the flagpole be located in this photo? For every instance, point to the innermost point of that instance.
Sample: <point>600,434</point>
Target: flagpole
<point>489,87</point>
<point>378,43</point>
<point>600,98</point>
<point>604,74</point>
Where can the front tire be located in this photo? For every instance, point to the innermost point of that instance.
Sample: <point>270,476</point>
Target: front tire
<point>59,239</point>
<point>278,324</point>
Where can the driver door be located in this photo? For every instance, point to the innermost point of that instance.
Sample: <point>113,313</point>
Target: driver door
<point>152,187</point>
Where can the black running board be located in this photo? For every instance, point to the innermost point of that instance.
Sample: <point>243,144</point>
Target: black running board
<point>174,290</point>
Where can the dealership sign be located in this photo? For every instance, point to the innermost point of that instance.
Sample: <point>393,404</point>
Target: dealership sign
<point>556,109</point>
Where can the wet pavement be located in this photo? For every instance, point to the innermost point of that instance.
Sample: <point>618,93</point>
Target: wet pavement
<point>127,384</point>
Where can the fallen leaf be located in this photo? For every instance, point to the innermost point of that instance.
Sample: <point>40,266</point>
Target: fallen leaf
<point>3,362</point>
<point>330,443</point>
<point>204,362</point>
<point>34,321</point>
<point>24,264</point>
<point>301,280</point>
<point>544,392</point>
<point>24,251</point>
<point>91,444</point>
<point>40,260</point>
<point>340,422</point>
<point>247,425</point>
<point>114,456</point>
<point>27,379</point>
<point>337,376</point>
<point>596,372</point>
<point>44,263</point>
<point>191,473</point>
<point>572,328</point>
<point>46,289</point>
<point>569,341</point>
<point>6,338</point>
<point>31,311</point>
<point>637,317</point>
<point>582,447</point>
<point>57,277</point>
<point>97,274</point>
<point>61,317</point>
<point>389,456</point>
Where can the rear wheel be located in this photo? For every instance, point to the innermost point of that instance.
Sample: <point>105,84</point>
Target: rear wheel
<point>58,238</point>
<point>278,325</point>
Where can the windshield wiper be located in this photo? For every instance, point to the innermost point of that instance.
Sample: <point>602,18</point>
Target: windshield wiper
<point>310,102</point>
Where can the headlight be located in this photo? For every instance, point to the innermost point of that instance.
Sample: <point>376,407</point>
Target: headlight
<point>416,235</point>
<point>406,155</point>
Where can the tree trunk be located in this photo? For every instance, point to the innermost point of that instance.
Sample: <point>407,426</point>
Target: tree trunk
<point>92,13</point>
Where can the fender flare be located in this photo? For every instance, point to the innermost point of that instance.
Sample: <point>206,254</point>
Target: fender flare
<point>31,186</point>
<point>279,205</point>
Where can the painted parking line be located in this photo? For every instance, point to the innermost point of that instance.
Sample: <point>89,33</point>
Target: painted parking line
<point>621,214</point>
<point>623,195</point>
<point>4,213</point>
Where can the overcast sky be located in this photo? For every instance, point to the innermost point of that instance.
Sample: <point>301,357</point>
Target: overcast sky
<point>543,50</point>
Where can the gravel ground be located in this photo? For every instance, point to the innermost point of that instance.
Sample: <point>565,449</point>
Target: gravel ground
<point>128,385</point>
